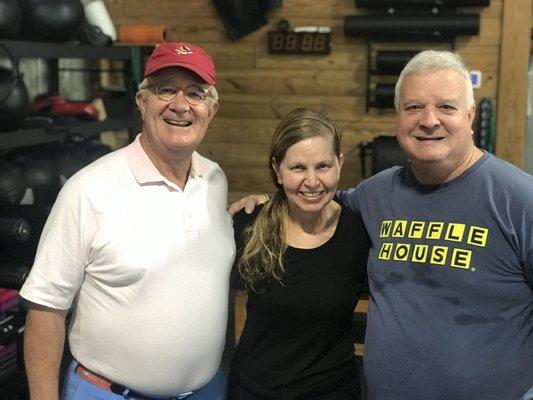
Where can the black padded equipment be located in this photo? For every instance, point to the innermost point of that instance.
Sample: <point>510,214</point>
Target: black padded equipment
<point>241,17</point>
<point>14,229</point>
<point>52,20</point>
<point>69,158</point>
<point>384,95</point>
<point>41,173</point>
<point>95,149</point>
<point>14,100</point>
<point>386,153</point>
<point>10,19</point>
<point>393,61</point>
<point>392,27</point>
<point>92,34</point>
<point>410,3</point>
<point>12,183</point>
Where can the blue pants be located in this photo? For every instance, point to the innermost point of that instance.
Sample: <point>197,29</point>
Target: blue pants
<point>77,388</point>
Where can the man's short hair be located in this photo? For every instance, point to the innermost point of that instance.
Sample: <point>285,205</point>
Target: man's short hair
<point>433,60</point>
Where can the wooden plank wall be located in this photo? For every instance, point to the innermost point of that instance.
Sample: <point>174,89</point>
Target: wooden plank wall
<point>257,88</point>
<point>513,82</point>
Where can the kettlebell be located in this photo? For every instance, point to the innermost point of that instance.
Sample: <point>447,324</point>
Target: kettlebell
<point>14,100</point>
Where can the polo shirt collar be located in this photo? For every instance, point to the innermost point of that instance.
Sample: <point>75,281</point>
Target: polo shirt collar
<point>145,171</point>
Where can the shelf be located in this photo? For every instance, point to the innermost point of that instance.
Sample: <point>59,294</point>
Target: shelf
<point>59,133</point>
<point>64,130</point>
<point>19,48</point>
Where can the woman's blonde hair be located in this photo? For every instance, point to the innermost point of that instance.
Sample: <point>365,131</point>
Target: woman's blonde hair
<point>262,257</point>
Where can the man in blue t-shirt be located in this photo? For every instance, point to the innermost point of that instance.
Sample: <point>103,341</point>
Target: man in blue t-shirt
<point>451,264</point>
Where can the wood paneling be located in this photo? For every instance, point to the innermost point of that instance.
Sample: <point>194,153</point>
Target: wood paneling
<point>257,88</point>
<point>512,90</point>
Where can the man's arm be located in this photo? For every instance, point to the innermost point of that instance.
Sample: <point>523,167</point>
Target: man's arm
<point>44,339</point>
<point>248,203</point>
<point>350,198</point>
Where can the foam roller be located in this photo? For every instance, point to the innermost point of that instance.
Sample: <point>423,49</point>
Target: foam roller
<point>408,3</point>
<point>394,27</point>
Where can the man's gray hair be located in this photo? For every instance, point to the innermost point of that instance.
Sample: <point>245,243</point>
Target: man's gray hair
<point>143,86</point>
<point>433,60</point>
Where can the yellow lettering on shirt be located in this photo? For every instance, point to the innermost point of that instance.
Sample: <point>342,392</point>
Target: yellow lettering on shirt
<point>385,229</point>
<point>417,229</point>
<point>435,230</point>
<point>402,252</point>
<point>455,232</point>
<point>477,236</point>
<point>386,251</point>
<point>399,229</point>
<point>461,258</point>
<point>420,253</point>
<point>455,242</point>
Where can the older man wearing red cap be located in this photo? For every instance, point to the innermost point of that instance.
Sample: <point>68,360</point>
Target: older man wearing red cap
<point>139,245</point>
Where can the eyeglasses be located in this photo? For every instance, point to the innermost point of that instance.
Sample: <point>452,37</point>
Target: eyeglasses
<point>194,95</point>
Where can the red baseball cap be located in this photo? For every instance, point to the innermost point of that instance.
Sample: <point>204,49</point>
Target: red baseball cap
<point>182,54</point>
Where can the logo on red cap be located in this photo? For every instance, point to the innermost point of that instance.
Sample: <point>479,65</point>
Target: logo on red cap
<point>184,50</point>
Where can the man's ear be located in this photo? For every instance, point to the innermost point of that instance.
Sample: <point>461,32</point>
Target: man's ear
<point>140,99</point>
<point>472,114</point>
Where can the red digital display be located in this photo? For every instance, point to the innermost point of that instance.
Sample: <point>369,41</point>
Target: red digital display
<point>299,43</point>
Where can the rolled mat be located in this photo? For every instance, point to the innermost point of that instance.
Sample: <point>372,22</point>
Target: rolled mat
<point>96,14</point>
<point>141,33</point>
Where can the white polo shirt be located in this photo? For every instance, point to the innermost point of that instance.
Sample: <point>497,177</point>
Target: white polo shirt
<point>145,266</point>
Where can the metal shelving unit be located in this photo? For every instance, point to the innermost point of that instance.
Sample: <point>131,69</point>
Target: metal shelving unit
<point>52,52</point>
<point>121,114</point>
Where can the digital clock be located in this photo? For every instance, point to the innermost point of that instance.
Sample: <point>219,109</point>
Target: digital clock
<point>286,42</point>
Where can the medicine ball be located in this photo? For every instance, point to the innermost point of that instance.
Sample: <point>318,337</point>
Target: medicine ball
<point>14,101</point>
<point>69,158</point>
<point>95,149</point>
<point>10,19</point>
<point>52,20</point>
<point>41,173</point>
<point>12,183</point>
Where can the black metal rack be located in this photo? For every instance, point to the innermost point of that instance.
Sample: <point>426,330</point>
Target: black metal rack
<point>60,133</point>
<point>417,24</point>
<point>52,52</point>
<point>121,114</point>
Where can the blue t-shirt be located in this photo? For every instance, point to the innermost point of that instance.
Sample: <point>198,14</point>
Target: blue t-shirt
<point>451,275</point>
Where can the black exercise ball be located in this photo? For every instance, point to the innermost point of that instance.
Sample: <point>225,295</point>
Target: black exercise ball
<point>40,171</point>
<point>42,177</point>
<point>52,20</point>
<point>10,19</point>
<point>94,149</point>
<point>12,183</point>
<point>69,158</point>
<point>14,100</point>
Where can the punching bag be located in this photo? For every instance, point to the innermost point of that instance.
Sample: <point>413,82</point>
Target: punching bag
<point>14,100</point>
